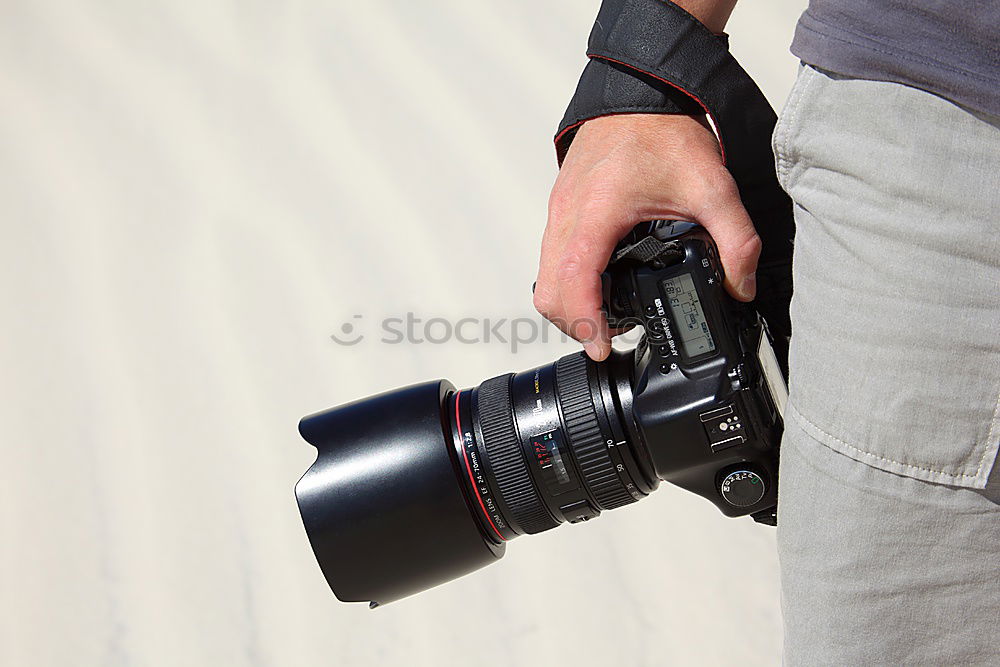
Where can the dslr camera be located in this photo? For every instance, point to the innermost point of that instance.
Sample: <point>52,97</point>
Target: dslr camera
<point>420,485</point>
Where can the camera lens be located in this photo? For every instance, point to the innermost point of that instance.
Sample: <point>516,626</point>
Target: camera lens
<point>419,486</point>
<point>549,445</point>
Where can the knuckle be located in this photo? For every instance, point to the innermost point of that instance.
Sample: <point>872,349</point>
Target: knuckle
<point>569,269</point>
<point>560,203</point>
<point>599,206</point>
<point>717,185</point>
<point>749,249</point>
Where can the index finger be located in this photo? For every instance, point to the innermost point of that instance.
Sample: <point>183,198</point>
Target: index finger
<point>584,258</point>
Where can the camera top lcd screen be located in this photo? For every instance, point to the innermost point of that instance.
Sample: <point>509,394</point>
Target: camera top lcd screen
<point>692,327</point>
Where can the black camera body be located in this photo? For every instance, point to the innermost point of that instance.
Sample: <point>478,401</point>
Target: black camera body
<point>423,484</point>
<point>707,390</point>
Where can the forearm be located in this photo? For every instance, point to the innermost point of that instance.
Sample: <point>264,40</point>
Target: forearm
<point>712,13</point>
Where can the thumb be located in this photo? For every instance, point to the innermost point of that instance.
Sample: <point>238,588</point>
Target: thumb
<point>739,246</point>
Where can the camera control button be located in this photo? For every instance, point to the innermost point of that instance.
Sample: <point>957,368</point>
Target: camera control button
<point>578,511</point>
<point>655,329</point>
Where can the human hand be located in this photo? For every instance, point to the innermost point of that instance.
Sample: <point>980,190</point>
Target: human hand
<point>620,171</point>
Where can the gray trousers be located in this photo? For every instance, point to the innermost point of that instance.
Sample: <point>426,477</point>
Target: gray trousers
<point>888,518</point>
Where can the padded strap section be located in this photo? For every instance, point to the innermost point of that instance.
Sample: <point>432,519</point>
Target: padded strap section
<point>607,88</point>
<point>665,42</point>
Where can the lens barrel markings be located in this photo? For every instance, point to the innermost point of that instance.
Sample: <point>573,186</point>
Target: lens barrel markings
<point>474,460</point>
<point>503,447</point>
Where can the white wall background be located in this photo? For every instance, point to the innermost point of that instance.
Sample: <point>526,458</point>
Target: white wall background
<point>193,197</point>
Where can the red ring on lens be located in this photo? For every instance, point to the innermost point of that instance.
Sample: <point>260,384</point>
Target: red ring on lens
<point>468,468</point>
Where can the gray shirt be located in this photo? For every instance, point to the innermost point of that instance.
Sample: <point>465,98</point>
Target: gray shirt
<point>947,48</point>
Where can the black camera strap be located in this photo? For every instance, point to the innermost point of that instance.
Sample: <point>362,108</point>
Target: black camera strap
<point>651,56</point>
<point>649,249</point>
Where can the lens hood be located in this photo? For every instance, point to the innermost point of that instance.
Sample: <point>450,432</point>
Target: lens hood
<point>382,504</point>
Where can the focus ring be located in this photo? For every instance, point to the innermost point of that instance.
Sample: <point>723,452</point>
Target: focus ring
<point>506,458</point>
<point>585,437</point>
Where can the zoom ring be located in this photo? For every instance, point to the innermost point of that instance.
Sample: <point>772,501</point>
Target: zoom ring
<point>585,437</point>
<point>506,458</point>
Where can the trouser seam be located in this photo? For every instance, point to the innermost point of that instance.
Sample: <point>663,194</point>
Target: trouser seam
<point>806,423</point>
<point>784,162</point>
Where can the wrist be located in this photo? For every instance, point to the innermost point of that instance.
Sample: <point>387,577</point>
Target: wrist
<point>713,14</point>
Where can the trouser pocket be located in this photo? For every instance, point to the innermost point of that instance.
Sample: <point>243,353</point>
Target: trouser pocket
<point>895,357</point>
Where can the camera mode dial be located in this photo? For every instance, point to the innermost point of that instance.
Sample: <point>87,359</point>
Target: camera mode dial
<point>742,488</point>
